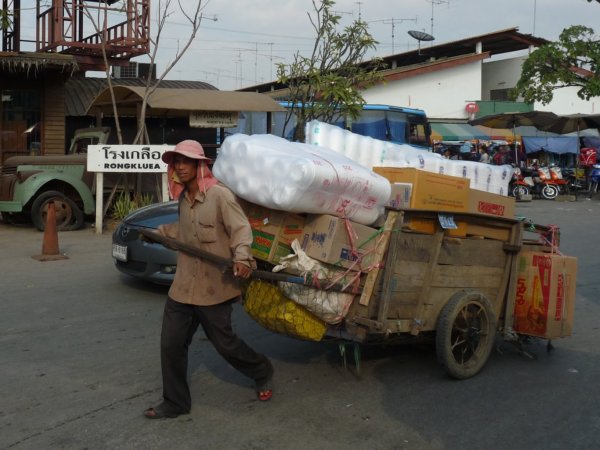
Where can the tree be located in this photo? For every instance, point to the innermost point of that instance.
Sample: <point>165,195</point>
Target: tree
<point>329,81</point>
<point>5,19</point>
<point>164,11</point>
<point>574,60</point>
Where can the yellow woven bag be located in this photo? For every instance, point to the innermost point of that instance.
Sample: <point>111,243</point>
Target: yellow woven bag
<point>267,305</point>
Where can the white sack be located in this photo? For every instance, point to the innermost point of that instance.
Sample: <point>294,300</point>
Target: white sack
<point>330,306</point>
<point>296,177</point>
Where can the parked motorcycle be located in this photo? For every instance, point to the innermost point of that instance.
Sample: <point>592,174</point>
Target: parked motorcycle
<point>520,184</point>
<point>549,187</point>
<point>576,180</point>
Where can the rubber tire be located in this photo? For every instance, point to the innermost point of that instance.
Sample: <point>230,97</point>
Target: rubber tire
<point>446,332</point>
<point>68,215</point>
<point>550,192</point>
<point>519,189</point>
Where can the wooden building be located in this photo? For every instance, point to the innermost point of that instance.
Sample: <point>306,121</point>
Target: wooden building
<point>32,83</point>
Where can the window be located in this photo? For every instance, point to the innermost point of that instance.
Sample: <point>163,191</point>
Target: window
<point>499,95</point>
<point>20,121</point>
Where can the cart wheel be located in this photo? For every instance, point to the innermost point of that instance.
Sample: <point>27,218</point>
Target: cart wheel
<point>465,334</point>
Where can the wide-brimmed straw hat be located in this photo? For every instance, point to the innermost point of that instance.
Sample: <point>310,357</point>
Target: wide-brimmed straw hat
<point>191,149</point>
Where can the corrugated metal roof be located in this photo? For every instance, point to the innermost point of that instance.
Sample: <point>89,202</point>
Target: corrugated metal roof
<point>80,91</point>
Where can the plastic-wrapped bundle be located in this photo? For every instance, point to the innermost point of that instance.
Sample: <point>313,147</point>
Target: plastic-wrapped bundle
<point>368,151</point>
<point>296,177</point>
<point>374,152</point>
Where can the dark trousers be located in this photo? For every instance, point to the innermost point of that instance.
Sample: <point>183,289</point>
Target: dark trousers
<point>180,322</point>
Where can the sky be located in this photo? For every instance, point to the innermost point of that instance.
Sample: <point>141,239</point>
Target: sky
<point>240,41</point>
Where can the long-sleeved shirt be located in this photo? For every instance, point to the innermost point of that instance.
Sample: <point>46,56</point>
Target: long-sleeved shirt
<point>216,223</point>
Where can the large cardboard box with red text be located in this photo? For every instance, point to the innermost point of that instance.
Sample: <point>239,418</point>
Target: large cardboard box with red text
<point>545,297</point>
<point>338,241</point>
<point>495,205</point>
<point>273,231</point>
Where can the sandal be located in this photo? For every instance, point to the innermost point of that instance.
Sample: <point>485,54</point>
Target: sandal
<point>264,386</point>
<point>159,412</point>
<point>264,390</point>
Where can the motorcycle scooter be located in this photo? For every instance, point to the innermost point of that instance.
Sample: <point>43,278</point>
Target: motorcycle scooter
<point>521,184</point>
<point>548,187</point>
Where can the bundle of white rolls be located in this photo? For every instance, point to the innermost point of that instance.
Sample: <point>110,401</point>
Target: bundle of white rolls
<point>296,177</point>
<point>377,153</point>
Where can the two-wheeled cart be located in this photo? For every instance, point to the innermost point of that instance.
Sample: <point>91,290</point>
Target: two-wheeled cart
<point>460,290</point>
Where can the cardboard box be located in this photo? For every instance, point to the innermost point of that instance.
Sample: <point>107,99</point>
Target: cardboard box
<point>545,297</point>
<point>488,232</point>
<point>431,191</point>
<point>459,232</point>
<point>495,205</point>
<point>273,231</point>
<point>326,239</point>
<point>420,225</point>
<point>400,198</point>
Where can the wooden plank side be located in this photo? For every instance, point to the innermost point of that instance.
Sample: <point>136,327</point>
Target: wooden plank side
<point>467,277</point>
<point>391,221</point>
<point>413,247</point>
<point>436,245</point>
<point>470,252</point>
<point>410,277</point>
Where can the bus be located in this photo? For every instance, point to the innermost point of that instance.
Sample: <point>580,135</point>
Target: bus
<point>395,124</point>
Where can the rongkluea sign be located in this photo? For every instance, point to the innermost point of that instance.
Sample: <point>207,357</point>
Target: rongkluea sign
<point>128,159</point>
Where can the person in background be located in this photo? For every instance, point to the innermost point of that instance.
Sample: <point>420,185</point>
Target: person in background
<point>485,156</point>
<point>202,293</point>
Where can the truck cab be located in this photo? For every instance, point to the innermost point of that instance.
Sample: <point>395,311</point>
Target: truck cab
<point>28,184</point>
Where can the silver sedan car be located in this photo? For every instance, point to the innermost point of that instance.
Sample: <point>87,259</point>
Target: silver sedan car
<point>142,259</point>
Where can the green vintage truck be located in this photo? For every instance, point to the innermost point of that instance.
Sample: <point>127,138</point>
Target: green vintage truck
<point>28,184</point>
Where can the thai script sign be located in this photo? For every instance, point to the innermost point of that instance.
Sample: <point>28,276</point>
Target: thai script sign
<point>213,119</point>
<point>126,158</point>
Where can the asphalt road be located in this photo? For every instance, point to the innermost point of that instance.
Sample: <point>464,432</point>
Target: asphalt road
<point>79,348</point>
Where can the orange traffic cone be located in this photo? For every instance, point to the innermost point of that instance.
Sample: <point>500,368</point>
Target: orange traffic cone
<point>50,250</point>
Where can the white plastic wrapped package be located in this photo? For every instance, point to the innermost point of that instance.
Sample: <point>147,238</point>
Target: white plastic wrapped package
<point>377,153</point>
<point>296,177</point>
<point>368,151</point>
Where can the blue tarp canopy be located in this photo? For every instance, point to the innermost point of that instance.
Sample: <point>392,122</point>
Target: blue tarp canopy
<point>560,145</point>
<point>591,141</point>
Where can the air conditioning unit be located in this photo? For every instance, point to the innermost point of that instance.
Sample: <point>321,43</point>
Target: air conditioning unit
<point>134,70</point>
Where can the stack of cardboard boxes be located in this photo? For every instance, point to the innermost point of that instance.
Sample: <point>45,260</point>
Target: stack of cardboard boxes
<point>338,241</point>
<point>421,190</point>
<point>327,238</point>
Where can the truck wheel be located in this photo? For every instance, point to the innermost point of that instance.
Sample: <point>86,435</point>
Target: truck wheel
<point>465,334</point>
<point>68,215</point>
